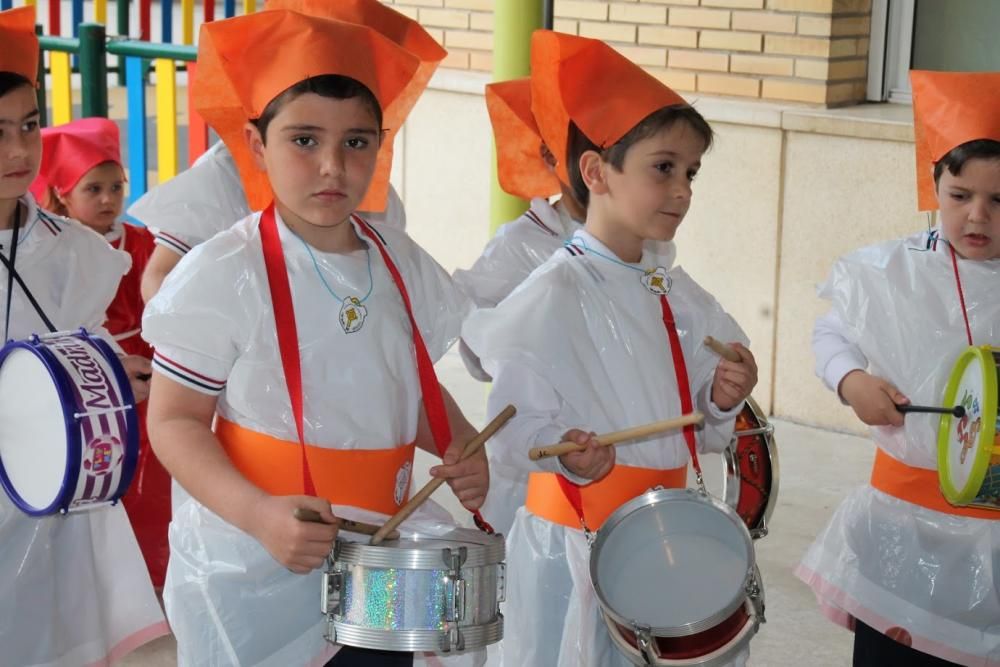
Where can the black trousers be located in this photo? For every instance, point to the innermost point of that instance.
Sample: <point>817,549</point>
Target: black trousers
<point>348,656</point>
<point>874,649</point>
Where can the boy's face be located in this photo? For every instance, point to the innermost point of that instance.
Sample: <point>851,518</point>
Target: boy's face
<point>970,208</point>
<point>320,156</point>
<point>651,194</point>
<point>20,141</point>
<point>96,200</point>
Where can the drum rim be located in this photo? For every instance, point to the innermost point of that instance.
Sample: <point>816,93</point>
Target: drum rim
<point>491,552</point>
<point>474,636</point>
<point>981,458</point>
<point>730,460</point>
<point>654,497</point>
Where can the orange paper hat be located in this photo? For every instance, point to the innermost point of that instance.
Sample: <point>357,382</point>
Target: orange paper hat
<point>20,45</point>
<point>521,169</point>
<point>237,76</point>
<point>408,34</point>
<point>69,151</point>
<point>588,82</point>
<point>950,109</point>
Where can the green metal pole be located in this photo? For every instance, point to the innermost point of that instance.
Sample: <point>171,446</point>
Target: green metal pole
<point>43,114</point>
<point>122,7</point>
<point>514,21</point>
<point>93,70</point>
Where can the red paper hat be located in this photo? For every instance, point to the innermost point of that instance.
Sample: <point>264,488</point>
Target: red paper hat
<point>588,82</point>
<point>236,78</point>
<point>20,45</point>
<point>69,151</point>
<point>521,169</point>
<point>950,109</point>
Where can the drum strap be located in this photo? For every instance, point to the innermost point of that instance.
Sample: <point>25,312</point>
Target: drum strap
<point>284,316</point>
<point>13,275</point>
<point>961,293</point>
<point>572,490</point>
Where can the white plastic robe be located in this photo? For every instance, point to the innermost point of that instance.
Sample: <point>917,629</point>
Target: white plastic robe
<point>75,588</point>
<point>582,344</point>
<point>229,602</point>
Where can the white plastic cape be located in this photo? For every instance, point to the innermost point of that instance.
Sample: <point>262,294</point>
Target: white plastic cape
<point>208,197</point>
<point>75,588</point>
<point>880,559</point>
<point>229,602</point>
<point>585,340</point>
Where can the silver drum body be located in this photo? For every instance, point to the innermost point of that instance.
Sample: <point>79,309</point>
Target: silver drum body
<point>435,594</point>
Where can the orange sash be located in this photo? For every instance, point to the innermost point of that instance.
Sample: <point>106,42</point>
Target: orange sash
<point>372,479</point>
<point>918,486</point>
<point>547,500</point>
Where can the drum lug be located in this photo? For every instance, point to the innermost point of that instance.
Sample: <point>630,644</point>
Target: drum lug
<point>456,584</point>
<point>452,640</point>
<point>756,594</point>
<point>333,584</point>
<point>501,582</point>
<point>644,639</point>
<point>761,530</point>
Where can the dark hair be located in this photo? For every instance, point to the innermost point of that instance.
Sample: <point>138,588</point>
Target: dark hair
<point>955,159</point>
<point>328,85</point>
<point>578,143</point>
<point>11,80</point>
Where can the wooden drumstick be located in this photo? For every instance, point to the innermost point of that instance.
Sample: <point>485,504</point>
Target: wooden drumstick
<point>724,351</point>
<point>360,527</point>
<point>421,496</point>
<point>616,437</point>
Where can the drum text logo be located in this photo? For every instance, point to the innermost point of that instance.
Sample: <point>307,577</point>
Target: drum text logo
<point>102,455</point>
<point>967,430</point>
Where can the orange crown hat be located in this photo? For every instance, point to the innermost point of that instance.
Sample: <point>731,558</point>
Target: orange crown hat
<point>950,109</point>
<point>69,151</point>
<point>588,82</point>
<point>237,77</point>
<point>408,34</point>
<point>20,45</point>
<point>521,169</point>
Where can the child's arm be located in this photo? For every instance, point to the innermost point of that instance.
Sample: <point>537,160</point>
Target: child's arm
<point>161,262</point>
<point>470,479</point>
<point>179,422</point>
<point>841,365</point>
<point>734,380</point>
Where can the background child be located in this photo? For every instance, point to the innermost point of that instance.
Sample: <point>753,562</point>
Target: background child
<point>914,576</point>
<point>75,588</point>
<point>81,177</point>
<point>302,299</point>
<point>581,346</point>
<point>209,197</point>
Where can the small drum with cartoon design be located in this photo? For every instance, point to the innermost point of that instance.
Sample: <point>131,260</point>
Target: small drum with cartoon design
<point>750,475</point>
<point>969,447</point>
<point>436,594</point>
<point>69,436</point>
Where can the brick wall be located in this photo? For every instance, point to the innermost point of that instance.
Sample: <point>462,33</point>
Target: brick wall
<point>812,51</point>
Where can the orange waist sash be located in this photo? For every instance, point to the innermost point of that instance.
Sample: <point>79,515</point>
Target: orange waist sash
<point>372,479</point>
<point>918,486</point>
<point>547,500</point>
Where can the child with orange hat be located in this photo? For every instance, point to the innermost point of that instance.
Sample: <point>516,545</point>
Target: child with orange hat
<point>75,588</point>
<point>910,573</point>
<point>585,342</point>
<point>209,197</point>
<point>81,177</point>
<point>297,331</point>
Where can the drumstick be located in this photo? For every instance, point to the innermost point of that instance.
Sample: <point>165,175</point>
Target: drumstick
<point>421,496</point>
<point>957,411</point>
<point>312,516</point>
<point>616,437</point>
<point>724,351</point>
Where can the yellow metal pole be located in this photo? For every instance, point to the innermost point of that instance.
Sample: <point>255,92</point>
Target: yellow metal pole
<point>187,20</point>
<point>62,92</point>
<point>101,11</point>
<point>166,119</point>
<point>514,21</point>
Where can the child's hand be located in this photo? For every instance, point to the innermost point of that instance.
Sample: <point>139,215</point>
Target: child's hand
<point>593,463</point>
<point>734,380</point>
<point>300,546</point>
<point>138,370</point>
<point>873,399</point>
<point>469,479</point>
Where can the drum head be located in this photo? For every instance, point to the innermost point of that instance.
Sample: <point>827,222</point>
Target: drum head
<point>33,447</point>
<point>965,445</point>
<point>674,560</point>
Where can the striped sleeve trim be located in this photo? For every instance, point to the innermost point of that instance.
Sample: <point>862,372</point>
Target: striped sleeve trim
<point>186,376</point>
<point>49,224</point>
<point>531,215</point>
<point>573,250</point>
<point>172,243</point>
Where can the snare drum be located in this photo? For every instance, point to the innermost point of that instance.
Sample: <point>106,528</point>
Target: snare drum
<point>969,448</point>
<point>676,578</point>
<point>69,437</point>
<point>750,475</point>
<point>436,594</point>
